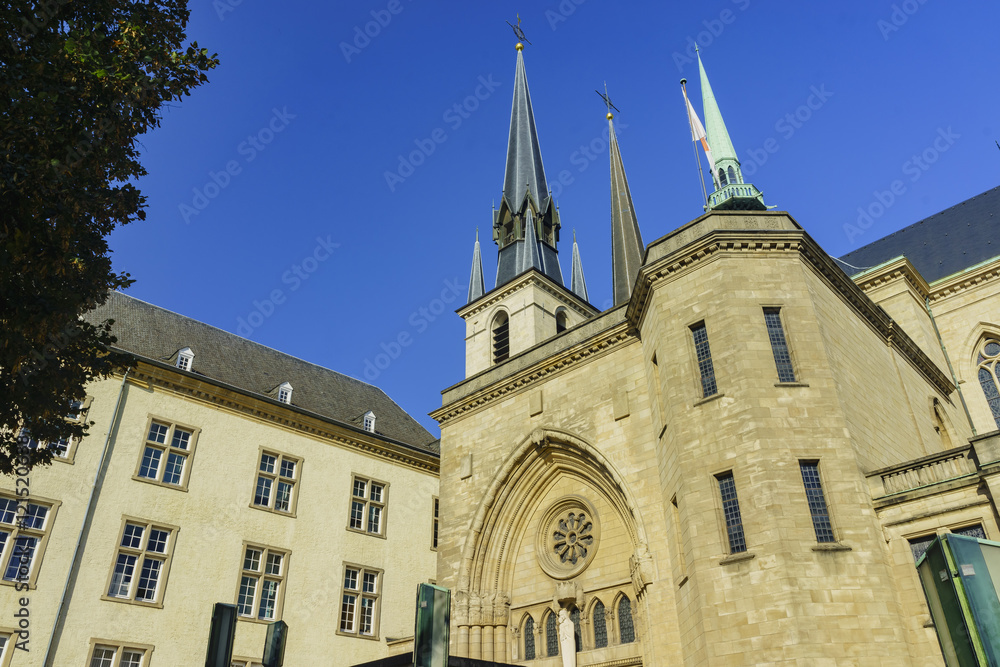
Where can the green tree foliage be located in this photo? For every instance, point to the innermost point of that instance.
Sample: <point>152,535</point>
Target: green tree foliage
<point>81,80</point>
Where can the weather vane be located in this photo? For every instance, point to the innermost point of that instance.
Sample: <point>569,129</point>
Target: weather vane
<point>517,30</point>
<point>607,100</point>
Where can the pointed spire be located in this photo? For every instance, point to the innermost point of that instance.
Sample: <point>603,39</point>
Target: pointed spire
<point>531,256</point>
<point>626,241</point>
<point>578,285</point>
<point>524,157</point>
<point>715,128</point>
<point>477,286</point>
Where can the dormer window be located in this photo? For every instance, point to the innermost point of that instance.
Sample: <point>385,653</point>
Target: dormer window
<point>369,421</point>
<point>285,393</point>
<point>185,359</point>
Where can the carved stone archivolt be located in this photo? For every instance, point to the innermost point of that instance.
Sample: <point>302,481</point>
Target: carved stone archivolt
<point>568,537</point>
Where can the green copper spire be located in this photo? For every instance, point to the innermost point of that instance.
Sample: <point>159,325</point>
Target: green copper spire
<point>731,193</point>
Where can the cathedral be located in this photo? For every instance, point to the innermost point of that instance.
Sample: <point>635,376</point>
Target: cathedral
<point>736,464</point>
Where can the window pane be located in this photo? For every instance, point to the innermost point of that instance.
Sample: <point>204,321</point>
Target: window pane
<point>248,588</point>
<point>529,639</point>
<point>359,488</point>
<point>369,583</point>
<point>551,636</point>
<point>22,555</point>
<point>351,579</point>
<point>157,541</point>
<point>34,517</point>
<point>357,515</point>
<point>60,448</point>
<point>376,492</point>
<point>148,580</point>
<point>283,501</point>
<point>374,519</point>
<point>367,616</point>
<point>8,508</point>
<point>626,630</point>
<point>992,395</point>
<point>103,657</point>
<point>918,546</point>
<point>731,510</point>
<point>600,626</point>
<point>158,433</point>
<point>122,577</point>
<point>273,565</point>
<point>131,659</point>
<point>817,503</point>
<point>251,561</point>
<point>704,360</point>
<point>347,614</point>
<point>772,317</point>
<point>268,595</point>
<point>971,531</point>
<point>132,537</point>
<point>263,494</point>
<point>174,470</point>
<point>150,463</point>
<point>267,463</point>
<point>288,469</point>
<point>181,439</point>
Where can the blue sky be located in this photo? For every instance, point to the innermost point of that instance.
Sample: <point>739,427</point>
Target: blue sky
<point>271,180</point>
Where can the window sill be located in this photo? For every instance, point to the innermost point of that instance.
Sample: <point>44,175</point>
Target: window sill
<point>357,636</point>
<point>831,546</point>
<point>8,582</point>
<point>708,399</point>
<point>254,619</point>
<point>162,485</point>
<point>737,558</point>
<point>363,532</point>
<point>271,510</point>
<point>137,603</point>
<point>791,384</point>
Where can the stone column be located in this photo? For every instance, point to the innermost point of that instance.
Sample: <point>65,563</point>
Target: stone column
<point>476,628</point>
<point>611,625</point>
<point>515,645</point>
<point>501,616</point>
<point>461,619</point>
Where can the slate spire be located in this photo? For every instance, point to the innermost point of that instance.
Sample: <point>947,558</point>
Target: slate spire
<point>525,192</point>
<point>578,285</point>
<point>477,286</point>
<point>731,192</point>
<point>626,241</point>
<point>531,257</point>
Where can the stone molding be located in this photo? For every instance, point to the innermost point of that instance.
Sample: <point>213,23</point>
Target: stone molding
<point>949,286</point>
<point>530,278</point>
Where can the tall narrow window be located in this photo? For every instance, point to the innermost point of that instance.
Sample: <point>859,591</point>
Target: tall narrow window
<point>436,526</point>
<point>626,629</point>
<point>359,610</point>
<point>529,639</point>
<point>574,616</point>
<point>551,636</point>
<point>600,625</point>
<point>501,338</point>
<point>368,499</point>
<point>772,317</point>
<point>24,529</point>
<point>560,320</point>
<point>732,175</point>
<point>139,571</point>
<point>700,333</point>
<point>722,177</point>
<point>277,477</point>
<point>262,583</point>
<point>166,454</point>
<point>989,356</point>
<point>731,511</point>
<point>817,503</point>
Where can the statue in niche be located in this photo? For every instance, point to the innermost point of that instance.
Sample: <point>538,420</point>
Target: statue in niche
<point>567,642</point>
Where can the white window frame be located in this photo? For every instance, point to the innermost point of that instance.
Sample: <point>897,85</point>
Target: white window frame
<point>17,526</point>
<point>185,359</point>
<point>367,504</point>
<point>141,553</point>
<point>119,649</point>
<point>355,596</point>
<point>285,393</point>
<point>275,480</point>
<point>368,421</point>
<point>166,449</point>
<point>260,572</point>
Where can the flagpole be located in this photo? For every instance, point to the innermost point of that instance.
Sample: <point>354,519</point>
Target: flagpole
<point>701,175</point>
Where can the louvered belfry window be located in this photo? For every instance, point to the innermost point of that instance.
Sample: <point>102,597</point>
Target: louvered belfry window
<point>501,338</point>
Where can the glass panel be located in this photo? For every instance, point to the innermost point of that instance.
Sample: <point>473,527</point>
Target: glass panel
<point>175,468</point>
<point>347,614</point>
<point>705,367</point>
<point>148,579</point>
<point>251,561</point>
<point>248,588</point>
<point>577,636</point>
<point>376,492</point>
<point>529,639</point>
<point>992,348</point>
<point>157,542</point>
<point>158,433</point>
<point>367,616</point>
<point>60,448</point>
<point>817,503</point>
<point>551,636</point>
<point>34,517</point>
<point>8,509</point>
<point>731,510</point>
<point>288,469</point>
<point>122,577</point>
<point>918,546</point>
<point>268,595</point>
<point>150,463</point>
<point>103,657</point>
<point>131,659</point>
<point>369,582</point>
<point>992,395</point>
<point>776,333</point>
<point>357,514</point>
<point>181,439</point>
<point>273,565</point>
<point>351,579</point>
<point>971,531</point>
<point>132,537</point>
<point>374,519</point>
<point>267,463</point>
<point>263,494</point>
<point>600,625</point>
<point>19,566</point>
<point>625,628</point>
<point>359,488</point>
<point>283,501</point>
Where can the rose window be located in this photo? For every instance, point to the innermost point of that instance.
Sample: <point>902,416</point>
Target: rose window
<point>572,538</point>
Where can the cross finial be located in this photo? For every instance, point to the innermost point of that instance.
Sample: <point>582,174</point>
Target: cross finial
<point>518,32</point>
<point>607,100</point>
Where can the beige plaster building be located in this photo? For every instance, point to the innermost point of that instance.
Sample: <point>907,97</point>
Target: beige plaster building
<point>220,470</point>
<point>738,462</point>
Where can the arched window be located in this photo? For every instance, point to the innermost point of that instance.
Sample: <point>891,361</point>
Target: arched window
<point>577,635</point>
<point>529,639</point>
<point>732,175</point>
<point>560,320</point>
<point>722,177</point>
<point>501,338</point>
<point>625,628</point>
<point>600,625</point>
<point>551,636</point>
<point>988,358</point>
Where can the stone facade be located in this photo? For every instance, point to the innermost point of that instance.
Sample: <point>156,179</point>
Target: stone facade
<point>611,421</point>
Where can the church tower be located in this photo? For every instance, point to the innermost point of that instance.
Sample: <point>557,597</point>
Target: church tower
<point>731,192</point>
<point>529,303</point>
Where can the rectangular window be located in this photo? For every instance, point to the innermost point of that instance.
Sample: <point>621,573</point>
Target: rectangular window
<point>437,523</point>
<point>262,583</point>
<point>113,654</point>
<point>775,332</point>
<point>142,560</point>
<point>817,503</point>
<point>24,530</point>
<point>368,500</point>
<point>276,480</point>
<point>167,454</point>
<point>704,355</point>
<point>731,511</point>
<point>62,449</point>
<point>359,610</point>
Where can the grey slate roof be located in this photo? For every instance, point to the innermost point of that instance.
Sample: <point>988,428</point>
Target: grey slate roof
<point>626,240</point>
<point>149,331</point>
<point>524,156</point>
<point>476,285</point>
<point>943,244</point>
<point>578,284</point>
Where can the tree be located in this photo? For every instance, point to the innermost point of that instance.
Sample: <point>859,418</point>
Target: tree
<point>79,82</point>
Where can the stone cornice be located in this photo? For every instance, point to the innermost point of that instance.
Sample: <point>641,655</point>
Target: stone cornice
<point>594,346</point>
<point>527,279</point>
<point>899,269</point>
<point>946,287</point>
<point>718,241</point>
<point>219,395</point>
